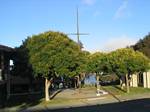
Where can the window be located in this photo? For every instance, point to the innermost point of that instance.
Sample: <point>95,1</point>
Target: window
<point>11,64</point>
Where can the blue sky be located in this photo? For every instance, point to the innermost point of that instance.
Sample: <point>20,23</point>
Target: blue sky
<point>111,24</point>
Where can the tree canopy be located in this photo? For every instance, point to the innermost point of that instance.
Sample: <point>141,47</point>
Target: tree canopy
<point>53,53</point>
<point>21,62</point>
<point>98,62</point>
<point>121,61</point>
<point>126,60</point>
<point>143,45</point>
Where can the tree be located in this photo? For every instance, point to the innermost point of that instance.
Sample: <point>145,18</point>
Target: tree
<point>97,63</point>
<point>143,45</point>
<point>83,67</point>
<point>53,53</point>
<point>21,63</point>
<point>127,61</point>
<point>94,61</point>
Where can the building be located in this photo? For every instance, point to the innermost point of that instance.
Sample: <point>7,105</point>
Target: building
<point>6,54</point>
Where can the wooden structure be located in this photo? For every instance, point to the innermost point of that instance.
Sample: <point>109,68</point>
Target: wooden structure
<point>6,54</point>
<point>142,79</point>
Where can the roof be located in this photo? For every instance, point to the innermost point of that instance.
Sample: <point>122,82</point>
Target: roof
<point>6,48</point>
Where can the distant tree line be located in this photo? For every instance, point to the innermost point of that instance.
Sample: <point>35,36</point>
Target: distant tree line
<point>143,45</point>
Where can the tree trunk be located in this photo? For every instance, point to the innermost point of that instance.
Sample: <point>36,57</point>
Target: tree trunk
<point>121,84</point>
<point>75,85</point>
<point>47,85</point>
<point>75,82</point>
<point>97,84</point>
<point>78,81</point>
<point>127,83</point>
<point>82,79</point>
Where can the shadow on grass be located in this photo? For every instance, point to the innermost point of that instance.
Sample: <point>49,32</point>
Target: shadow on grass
<point>113,95</point>
<point>119,88</point>
<point>139,105</point>
<point>24,101</point>
<point>55,93</point>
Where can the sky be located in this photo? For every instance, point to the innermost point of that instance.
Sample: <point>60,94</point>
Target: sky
<point>111,24</point>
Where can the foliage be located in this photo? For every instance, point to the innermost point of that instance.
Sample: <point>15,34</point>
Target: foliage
<point>54,53</point>
<point>120,62</point>
<point>127,61</point>
<point>143,45</point>
<point>83,61</point>
<point>21,62</point>
<point>95,62</point>
<point>109,78</point>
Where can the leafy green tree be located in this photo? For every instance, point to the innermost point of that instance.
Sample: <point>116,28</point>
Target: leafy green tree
<point>53,53</point>
<point>83,67</point>
<point>97,63</point>
<point>127,61</point>
<point>143,45</point>
<point>22,67</point>
<point>94,61</point>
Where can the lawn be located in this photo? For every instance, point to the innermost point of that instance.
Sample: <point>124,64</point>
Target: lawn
<point>116,90</point>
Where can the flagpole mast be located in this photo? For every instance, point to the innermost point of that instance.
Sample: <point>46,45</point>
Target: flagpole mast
<point>78,40</point>
<point>77,28</point>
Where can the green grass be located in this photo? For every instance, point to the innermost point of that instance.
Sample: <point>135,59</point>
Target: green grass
<point>58,101</point>
<point>138,90</point>
<point>116,90</point>
<point>22,102</point>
